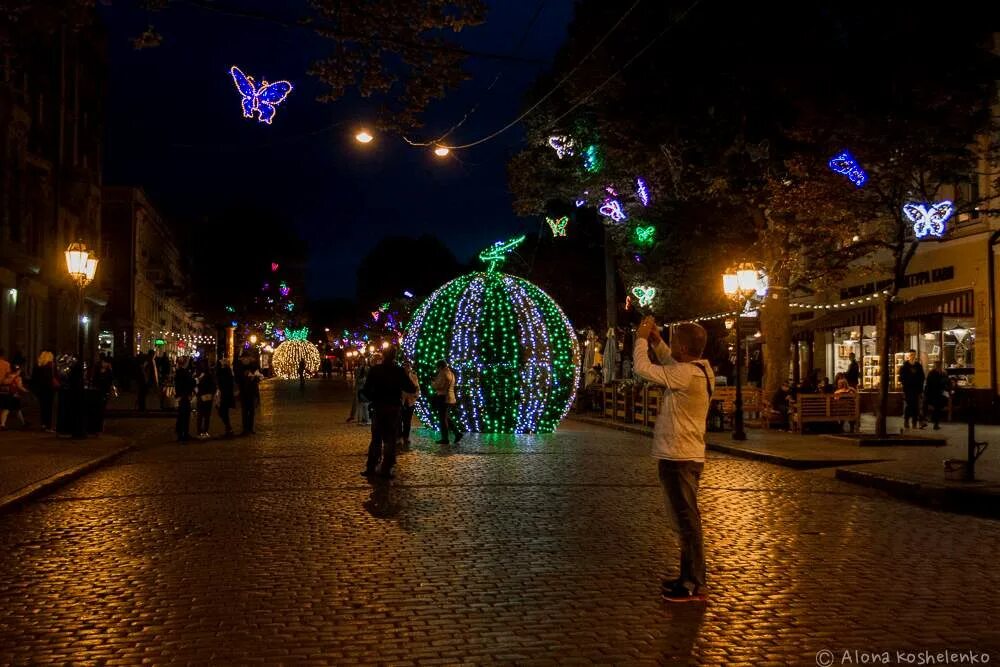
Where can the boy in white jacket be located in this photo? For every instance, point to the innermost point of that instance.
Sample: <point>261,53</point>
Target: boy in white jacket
<point>679,439</point>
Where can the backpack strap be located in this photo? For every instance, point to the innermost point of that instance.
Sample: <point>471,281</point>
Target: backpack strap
<point>708,383</point>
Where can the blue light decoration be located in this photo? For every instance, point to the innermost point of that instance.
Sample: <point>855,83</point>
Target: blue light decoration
<point>844,163</point>
<point>290,306</point>
<point>234,323</point>
<point>558,226</point>
<point>284,289</point>
<point>592,160</point>
<point>928,219</point>
<point>645,294</point>
<point>260,100</point>
<point>408,294</point>
<point>580,202</point>
<point>612,208</point>
<point>497,253</point>
<point>562,144</point>
<point>642,191</point>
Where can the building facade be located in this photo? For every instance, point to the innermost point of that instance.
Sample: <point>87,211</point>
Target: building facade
<point>51,114</point>
<point>148,286</point>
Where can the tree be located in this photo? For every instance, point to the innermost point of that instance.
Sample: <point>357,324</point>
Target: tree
<point>399,263</point>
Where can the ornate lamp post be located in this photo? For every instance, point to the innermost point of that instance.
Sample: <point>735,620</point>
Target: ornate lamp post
<point>82,267</point>
<point>739,283</point>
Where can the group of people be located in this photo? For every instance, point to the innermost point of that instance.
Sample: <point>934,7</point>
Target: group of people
<point>45,383</point>
<point>923,394</point>
<point>199,388</point>
<point>385,397</point>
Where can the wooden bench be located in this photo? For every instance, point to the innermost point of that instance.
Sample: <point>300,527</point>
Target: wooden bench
<point>725,399</point>
<point>819,408</point>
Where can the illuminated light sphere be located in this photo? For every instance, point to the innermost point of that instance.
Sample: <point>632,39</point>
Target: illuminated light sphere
<point>285,360</point>
<point>441,151</point>
<point>513,351</point>
<point>364,137</point>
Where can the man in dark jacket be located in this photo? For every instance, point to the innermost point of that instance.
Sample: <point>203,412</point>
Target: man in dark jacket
<point>936,394</point>
<point>853,374</point>
<point>184,386</point>
<point>384,387</point>
<point>911,379</point>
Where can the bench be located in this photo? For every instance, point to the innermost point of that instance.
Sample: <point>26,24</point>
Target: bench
<point>820,408</point>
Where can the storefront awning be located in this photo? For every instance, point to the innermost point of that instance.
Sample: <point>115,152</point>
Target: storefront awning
<point>839,318</point>
<point>954,303</point>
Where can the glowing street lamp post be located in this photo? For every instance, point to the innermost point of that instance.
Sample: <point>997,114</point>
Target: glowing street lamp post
<point>81,264</point>
<point>739,284</point>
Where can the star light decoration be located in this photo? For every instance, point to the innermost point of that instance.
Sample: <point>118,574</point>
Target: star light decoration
<point>642,191</point>
<point>562,144</point>
<point>514,352</point>
<point>928,219</point>
<point>645,294</point>
<point>844,163</point>
<point>612,208</point>
<point>259,101</point>
<point>558,226</point>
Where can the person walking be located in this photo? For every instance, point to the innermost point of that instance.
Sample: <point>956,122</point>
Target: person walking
<point>104,383</point>
<point>911,379</point>
<point>385,385</point>
<point>302,374</point>
<point>444,400</point>
<point>936,394</point>
<point>227,397</point>
<point>11,390</point>
<point>44,383</point>
<point>248,381</point>
<point>206,387</point>
<point>679,440</point>
<point>409,404</point>
<point>184,388</point>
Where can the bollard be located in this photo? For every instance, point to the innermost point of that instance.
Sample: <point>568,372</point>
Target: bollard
<point>974,449</point>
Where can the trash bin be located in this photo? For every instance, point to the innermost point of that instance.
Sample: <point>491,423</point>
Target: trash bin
<point>955,469</point>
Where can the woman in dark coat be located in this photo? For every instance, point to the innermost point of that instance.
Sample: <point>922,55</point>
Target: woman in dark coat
<point>44,383</point>
<point>206,395</point>
<point>227,397</point>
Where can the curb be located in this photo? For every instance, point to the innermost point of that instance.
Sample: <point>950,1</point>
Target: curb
<point>952,499</point>
<point>740,452</point>
<point>61,478</point>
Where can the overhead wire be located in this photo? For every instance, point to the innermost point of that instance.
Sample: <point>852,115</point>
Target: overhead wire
<point>552,91</point>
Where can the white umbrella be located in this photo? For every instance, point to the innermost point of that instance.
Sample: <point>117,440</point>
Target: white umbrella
<point>590,351</point>
<point>610,357</point>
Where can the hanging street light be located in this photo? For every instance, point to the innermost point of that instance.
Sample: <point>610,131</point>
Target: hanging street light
<point>364,137</point>
<point>441,151</point>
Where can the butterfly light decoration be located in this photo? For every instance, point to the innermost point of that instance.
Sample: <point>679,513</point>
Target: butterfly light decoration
<point>558,226</point>
<point>644,294</point>
<point>844,163</point>
<point>642,191</point>
<point>928,219</point>
<point>612,208</point>
<point>645,234</point>
<point>260,100</point>
<point>562,144</point>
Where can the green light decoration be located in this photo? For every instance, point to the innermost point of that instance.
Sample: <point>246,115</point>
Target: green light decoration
<point>558,226</point>
<point>285,360</point>
<point>513,351</point>
<point>497,253</point>
<point>644,294</point>
<point>645,235</point>
<point>159,341</point>
<point>297,334</point>
<point>593,161</point>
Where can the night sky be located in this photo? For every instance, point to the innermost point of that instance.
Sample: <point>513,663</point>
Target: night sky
<point>175,127</point>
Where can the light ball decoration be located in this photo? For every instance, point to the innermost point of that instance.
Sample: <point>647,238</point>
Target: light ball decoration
<point>285,360</point>
<point>513,351</point>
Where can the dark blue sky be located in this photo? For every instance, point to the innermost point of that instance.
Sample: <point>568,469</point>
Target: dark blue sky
<point>176,128</point>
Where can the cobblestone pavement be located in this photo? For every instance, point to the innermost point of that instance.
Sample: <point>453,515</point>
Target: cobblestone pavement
<point>530,550</point>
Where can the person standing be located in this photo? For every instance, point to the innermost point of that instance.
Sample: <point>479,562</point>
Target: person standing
<point>227,398</point>
<point>249,385</point>
<point>360,377</point>
<point>409,404</point>
<point>444,400</point>
<point>853,374</point>
<point>11,389</point>
<point>104,383</point>
<point>385,385</point>
<point>44,383</point>
<point>206,395</point>
<point>302,374</point>
<point>184,388</point>
<point>911,379</point>
<point>936,394</point>
<point>146,378</point>
<point>679,440</point>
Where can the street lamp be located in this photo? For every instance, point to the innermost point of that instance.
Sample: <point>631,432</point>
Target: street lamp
<point>81,264</point>
<point>740,283</point>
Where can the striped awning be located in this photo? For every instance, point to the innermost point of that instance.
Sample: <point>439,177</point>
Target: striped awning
<point>843,317</point>
<point>959,304</point>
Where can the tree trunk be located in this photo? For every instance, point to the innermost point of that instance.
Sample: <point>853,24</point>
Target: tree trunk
<point>776,326</point>
<point>610,280</point>
<point>883,366</point>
